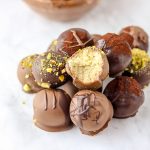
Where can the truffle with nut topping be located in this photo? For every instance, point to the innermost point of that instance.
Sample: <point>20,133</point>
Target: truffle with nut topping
<point>49,69</point>
<point>125,95</point>
<point>74,39</point>
<point>88,67</point>
<point>25,75</point>
<point>51,110</point>
<point>91,111</point>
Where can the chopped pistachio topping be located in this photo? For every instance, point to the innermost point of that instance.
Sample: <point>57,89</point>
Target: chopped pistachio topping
<point>28,61</point>
<point>44,85</point>
<point>34,120</point>
<point>49,56</point>
<point>61,78</point>
<point>27,76</point>
<point>139,60</point>
<point>49,70</point>
<point>27,88</point>
<point>63,71</point>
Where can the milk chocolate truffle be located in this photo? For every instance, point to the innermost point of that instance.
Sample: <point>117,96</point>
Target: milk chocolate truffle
<point>88,67</point>
<point>118,52</point>
<point>90,111</point>
<point>49,69</point>
<point>62,10</point>
<point>141,39</point>
<point>51,110</point>
<point>25,75</point>
<point>139,67</point>
<point>69,88</point>
<point>125,95</point>
<point>74,39</point>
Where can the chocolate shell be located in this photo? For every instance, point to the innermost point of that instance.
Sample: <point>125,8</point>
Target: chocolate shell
<point>51,110</point>
<point>126,96</point>
<point>90,111</point>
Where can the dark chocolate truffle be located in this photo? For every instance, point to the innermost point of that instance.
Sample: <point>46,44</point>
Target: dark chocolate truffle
<point>51,110</point>
<point>141,39</point>
<point>25,75</point>
<point>90,111</point>
<point>49,69</point>
<point>88,67</point>
<point>74,39</point>
<point>125,95</point>
<point>139,67</point>
<point>69,88</point>
<point>118,52</point>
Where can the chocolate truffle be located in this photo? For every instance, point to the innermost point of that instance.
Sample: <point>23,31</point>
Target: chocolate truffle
<point>62,10</point>
<point>117,51</point>
<point>90,111</point>
<point>125,95</point>
<point>51,110</point>
<point>88,67</point>
<point>141,39</point>
<point>139,67</point>
<point>25,75</point>
<point>74,39</point>
<point>49,69</point>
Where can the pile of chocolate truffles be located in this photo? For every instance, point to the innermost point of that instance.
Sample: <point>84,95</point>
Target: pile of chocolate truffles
<point>68,79</point>
<point>62,10</point>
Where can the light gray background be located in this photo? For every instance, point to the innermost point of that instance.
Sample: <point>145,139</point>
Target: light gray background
<point>23,32</point>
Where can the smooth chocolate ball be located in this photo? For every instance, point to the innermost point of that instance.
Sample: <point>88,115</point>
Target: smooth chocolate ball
<point>25,75</point>
<point>91,111</point>
<point>51,110</point>
<point>74,39</point>
<point>126,96</point>
<point>118,52</point>
<point>141,39</point>
<point>49,69</point>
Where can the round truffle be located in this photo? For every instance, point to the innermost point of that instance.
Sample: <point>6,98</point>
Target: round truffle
<point>88,67</point>
<point>117,51</point>
<point>69,88</point>
<point>74,39</point>
<point>139,67</point>
<point>51,110</point>
<point>90,111</point>
<point>49,69</point>
<point>25,75</point>
<point>125,95</point>
<point>141,39</point>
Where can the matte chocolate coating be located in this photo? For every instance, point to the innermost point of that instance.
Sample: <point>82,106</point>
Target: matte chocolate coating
<point>25,75</point>
<point>125,95</point>
<point>90,111</point>
<point>74,39</point>
<point>49,69</point>
<point>51,110</point>
<point>62,10</point>
<point>69,88</point>
<point>117,51</point>
<point>141,39</point>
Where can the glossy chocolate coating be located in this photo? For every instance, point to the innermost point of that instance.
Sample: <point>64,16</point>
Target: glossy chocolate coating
<point>25,75</point>
<point>51,110</point>
<point>90,111</point>
<point>117,51</point>
<point>74,39</point>
<point>141,39</point>
<point>125,95</point>
<point>49,69</point>
<point>69,88</point>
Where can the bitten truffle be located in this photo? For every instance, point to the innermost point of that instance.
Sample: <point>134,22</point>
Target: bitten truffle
<point>51,110</point>
<point>25,75</point>
<point>74,39</point>
<point>88,67</point>
<point>139,67</point>
<point>90,111</point>
<point>118,52</point>
<point>49,69</point>
<point>125,95</point>
<point>141,39</point>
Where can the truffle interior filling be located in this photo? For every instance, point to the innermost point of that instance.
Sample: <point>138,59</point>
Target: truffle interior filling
<point>87,65</point>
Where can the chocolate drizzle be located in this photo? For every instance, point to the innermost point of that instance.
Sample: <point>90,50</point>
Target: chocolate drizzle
<point>54,100</point>
<point>46,100</point>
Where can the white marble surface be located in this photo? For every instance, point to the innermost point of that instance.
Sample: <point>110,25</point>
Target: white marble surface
<point>23,32</point>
